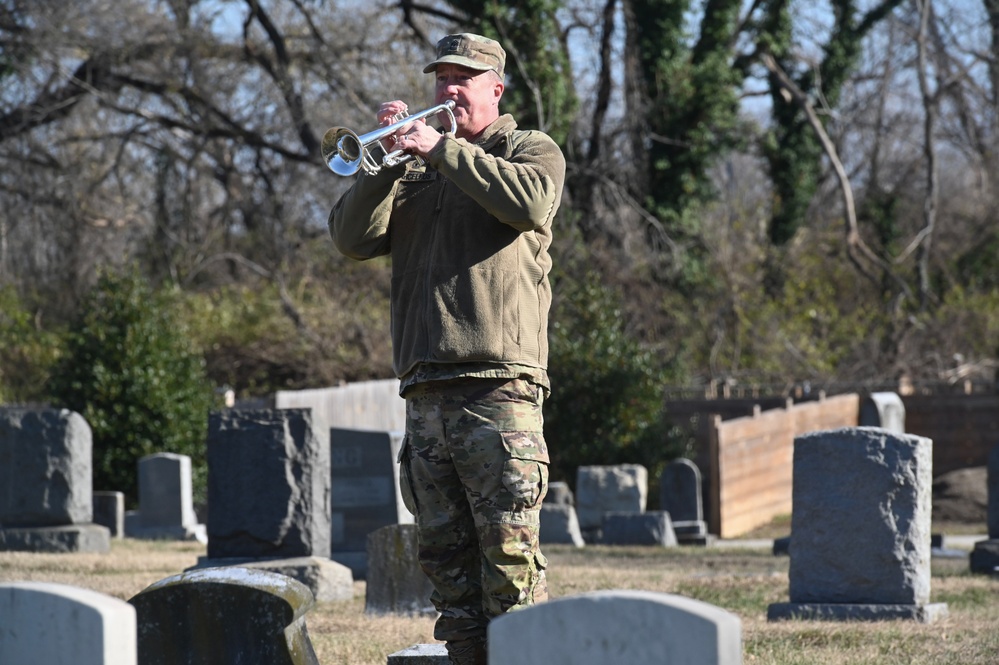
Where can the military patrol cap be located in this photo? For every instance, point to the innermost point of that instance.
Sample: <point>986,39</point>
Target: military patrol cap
<point>472,51</point>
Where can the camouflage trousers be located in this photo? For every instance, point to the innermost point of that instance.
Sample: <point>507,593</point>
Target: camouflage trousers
<point>474,470</point>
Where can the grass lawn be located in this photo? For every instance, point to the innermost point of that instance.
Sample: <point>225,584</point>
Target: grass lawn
<point>742,580</point>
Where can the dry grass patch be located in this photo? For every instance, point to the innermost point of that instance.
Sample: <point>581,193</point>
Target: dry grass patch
<point>343,633</point>
<point>744,582</point>
<point>131,566</point>
<point>780,526</point>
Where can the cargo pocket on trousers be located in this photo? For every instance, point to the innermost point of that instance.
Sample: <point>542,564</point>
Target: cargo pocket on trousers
<point>525,474</point>
<point>406,477</point>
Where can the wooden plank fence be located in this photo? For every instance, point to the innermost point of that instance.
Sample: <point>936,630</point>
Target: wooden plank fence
<point>751,460</point>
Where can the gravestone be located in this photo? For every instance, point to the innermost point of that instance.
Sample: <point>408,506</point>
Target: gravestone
<point>680,496</point>
<point>420,654</point>
<point>54,624</point>
<point>109,511</point>
<point>621,488</point>
<point>364,471</point>
<point>395,582</point>
<point>984,557</point>
<point>269,493</point>
<point>860,524</point>
<point>649,528</point>
<point>224,616</point>
<point>559,494</point>
<point>884,410</point>
<point>559,525</point>
<point>46,474</point>
<point>166,504</point>
<point>618,628</point>
<point>992,480</point>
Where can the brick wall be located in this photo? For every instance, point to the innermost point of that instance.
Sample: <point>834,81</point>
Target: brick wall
<point>964,428</point>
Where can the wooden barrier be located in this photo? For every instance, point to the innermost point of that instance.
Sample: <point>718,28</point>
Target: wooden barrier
<point>751,460</point>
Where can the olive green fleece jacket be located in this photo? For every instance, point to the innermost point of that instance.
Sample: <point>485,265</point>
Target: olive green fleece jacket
<point>468,235</point>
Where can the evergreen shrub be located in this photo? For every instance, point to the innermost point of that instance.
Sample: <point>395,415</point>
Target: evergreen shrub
<point>606,405</point>
<point>131,371</point>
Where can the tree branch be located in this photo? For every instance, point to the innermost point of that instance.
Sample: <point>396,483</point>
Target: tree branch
<point>856,248</point>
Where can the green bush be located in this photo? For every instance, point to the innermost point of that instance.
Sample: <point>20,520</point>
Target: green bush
<point>606,405</point>
<point>131,371</point>
<point>27,352</point>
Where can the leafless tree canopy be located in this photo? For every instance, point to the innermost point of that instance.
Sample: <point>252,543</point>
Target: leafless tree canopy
<point>184,135</point>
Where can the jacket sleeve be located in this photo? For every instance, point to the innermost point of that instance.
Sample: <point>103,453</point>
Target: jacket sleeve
<point>523,190</point>
<point>359,222</point>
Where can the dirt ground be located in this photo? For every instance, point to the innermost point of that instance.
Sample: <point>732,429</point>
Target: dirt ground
<point>961,496</point>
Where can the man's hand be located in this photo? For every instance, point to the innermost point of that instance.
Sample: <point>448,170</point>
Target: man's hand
<point>419,139</point>
<point>390,113</point>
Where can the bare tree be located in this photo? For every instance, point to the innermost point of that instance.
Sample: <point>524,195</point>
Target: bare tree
<point>924,241</point>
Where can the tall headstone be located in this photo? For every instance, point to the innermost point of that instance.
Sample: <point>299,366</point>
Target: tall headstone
<point>224,616</point>
<point>166,503</point>
<point>395,583</point>
<point>860,525</point>
<point>46,474</point>
<point>619,488</point>
<point>269,497</point>
<point>985,555</point>
<point>56,624</point>
<point>885,410</point>
<point>364,471</point>
<point>680,496</point>
<point>611,627</point>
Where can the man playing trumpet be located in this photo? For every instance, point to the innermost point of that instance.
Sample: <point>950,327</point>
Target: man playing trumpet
<point>468,227</point>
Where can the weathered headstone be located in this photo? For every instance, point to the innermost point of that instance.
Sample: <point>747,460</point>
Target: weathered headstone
<point>619,488</point>
<point>884,410</point>
<point>559,525</point>
<point>680,496</point>
<point>269,497</point>
<point>54,624</point>
<point>860,525</point>
<point>617,627</point>
<point>224,616</point>
<point>46,474</point>
<point>166,503</point>
<point>366,496</point>
<point>985,555</point>
<point>109,511</point>
<point>649,528</point>
<point>395,583</point>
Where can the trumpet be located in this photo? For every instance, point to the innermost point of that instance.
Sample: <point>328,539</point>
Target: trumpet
<point>345,153</point>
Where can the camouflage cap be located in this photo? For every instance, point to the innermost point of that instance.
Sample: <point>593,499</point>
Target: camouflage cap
<point>468,50</point>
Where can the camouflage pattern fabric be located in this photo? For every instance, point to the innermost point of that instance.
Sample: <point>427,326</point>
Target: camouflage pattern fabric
<point>474,471</point>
